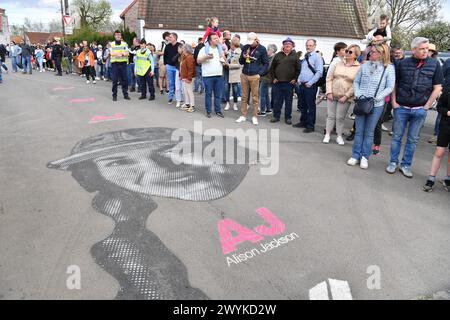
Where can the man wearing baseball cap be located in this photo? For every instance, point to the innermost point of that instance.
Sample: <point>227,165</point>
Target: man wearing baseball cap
<point>256,64</point>
<point>284,71</point>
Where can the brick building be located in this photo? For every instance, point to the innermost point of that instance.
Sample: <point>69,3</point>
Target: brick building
<point>326,21</point>
<point>130,18</point>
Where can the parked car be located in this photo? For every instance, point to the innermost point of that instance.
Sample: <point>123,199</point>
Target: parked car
<point>442,56</point>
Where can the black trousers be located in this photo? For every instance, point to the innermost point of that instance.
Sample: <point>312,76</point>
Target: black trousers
<point>378,132</point>
<point>58,61</point>
<point>145,81</point>
<point>89,71</point>
<point>119,72</point>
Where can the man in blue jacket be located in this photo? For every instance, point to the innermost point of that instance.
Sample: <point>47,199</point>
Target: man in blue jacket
<point>311,72</point>
<point>256,64</point>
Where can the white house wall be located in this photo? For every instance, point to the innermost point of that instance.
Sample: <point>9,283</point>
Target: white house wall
<point>324,44</point>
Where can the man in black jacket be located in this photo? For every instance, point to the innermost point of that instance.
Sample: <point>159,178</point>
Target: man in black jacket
<point>256,64</point>
<point>26,58</point>
<point>171,61</point>
<point>57,56</point>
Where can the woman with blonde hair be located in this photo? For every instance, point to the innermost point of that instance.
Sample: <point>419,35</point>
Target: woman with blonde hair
<point>374,81</point>
<point>340,92</point>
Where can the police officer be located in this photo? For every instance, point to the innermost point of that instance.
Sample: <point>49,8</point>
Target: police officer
<point>145,70</point>
<point>119,65</point>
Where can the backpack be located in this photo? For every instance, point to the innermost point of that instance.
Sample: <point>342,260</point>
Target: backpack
<point>323,80</point>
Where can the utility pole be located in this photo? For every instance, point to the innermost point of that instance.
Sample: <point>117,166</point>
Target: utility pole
<point>62,21</point>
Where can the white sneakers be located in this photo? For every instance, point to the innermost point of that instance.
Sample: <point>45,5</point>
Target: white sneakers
<point>340,141</point>
<point>178,104</point>
<point>87,81</point>
<point>364,163</point>
<point>352,162</point>
<point>94,82</point>
<point>241,119</point>
<point>227,107</point>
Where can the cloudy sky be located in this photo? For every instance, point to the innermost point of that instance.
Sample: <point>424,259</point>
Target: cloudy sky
<point>47,10</point>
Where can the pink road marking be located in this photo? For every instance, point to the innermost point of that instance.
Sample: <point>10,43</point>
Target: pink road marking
<point>276,225</point>
<point>82,100</point>
<point>116,116</point>
<point>63,88</point>
<point>229,242</point>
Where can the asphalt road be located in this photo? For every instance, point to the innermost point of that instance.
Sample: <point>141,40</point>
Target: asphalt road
<point>346,219</point>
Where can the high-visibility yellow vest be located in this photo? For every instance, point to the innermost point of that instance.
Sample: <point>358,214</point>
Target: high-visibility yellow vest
<point>142,62</point>
<point>122,47</point>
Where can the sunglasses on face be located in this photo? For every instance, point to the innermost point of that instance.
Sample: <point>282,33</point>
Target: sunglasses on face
<point>349,51</point>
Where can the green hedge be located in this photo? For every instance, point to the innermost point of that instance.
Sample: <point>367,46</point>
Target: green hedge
<point>101,38</point>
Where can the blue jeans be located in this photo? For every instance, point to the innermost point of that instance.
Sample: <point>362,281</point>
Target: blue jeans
<point>416,119</point>
<point>156,75</point>
<point>131,76</point>
<point>226,86</point>
<point>264,96</point>
<point>365,131</point>
<point>14,63</point>
<point>26,62</point>
<point>234,87</point>
<point>239,90</point>
<point>213,84</point>
<point>1,74</point>
<point>199,80</point>
<point>108,73</point>
<point>307,101</point>
<point>171,74</point>
<point>282,92</point>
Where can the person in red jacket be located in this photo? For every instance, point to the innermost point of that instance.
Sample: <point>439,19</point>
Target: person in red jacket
<point>187,74</point>
<point>213,28</point>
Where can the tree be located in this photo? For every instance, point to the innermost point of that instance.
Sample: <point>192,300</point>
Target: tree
<point>94,14</point>
<point>16,30</point>
<point>373,9</point>
<point>438,33</point>
<point>407,15</point>
<point>55,26</point>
